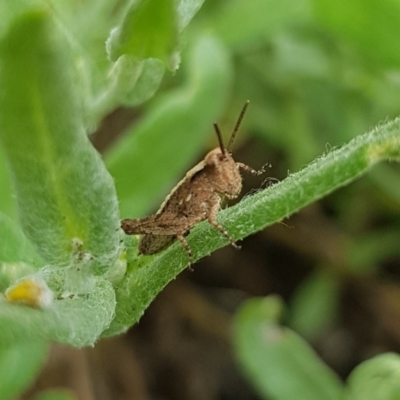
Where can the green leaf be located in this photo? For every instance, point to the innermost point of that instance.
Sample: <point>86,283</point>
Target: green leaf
<point>281,365</point>
<point>145,161</point>
<point>65,195</point>
<point>75,319</point>
<point>19,365</point>
<point>133,79</point>
<point>373,26</point>
<point>377,378</point>
<point>149,30</point>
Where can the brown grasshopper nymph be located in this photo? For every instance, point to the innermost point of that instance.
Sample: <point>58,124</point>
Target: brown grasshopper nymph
<point>197,197</point>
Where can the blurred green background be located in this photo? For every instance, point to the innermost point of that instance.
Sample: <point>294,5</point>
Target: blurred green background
<point>318,73</point>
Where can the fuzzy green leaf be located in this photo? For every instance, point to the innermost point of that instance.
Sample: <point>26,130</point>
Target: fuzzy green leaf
<point>65,195</point>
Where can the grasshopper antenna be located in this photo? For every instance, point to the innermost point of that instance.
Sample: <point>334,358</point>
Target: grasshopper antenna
<point>220,141</point>
<point>239,121</point>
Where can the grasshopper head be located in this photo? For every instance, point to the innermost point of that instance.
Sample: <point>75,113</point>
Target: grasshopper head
<point>223,173</point>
